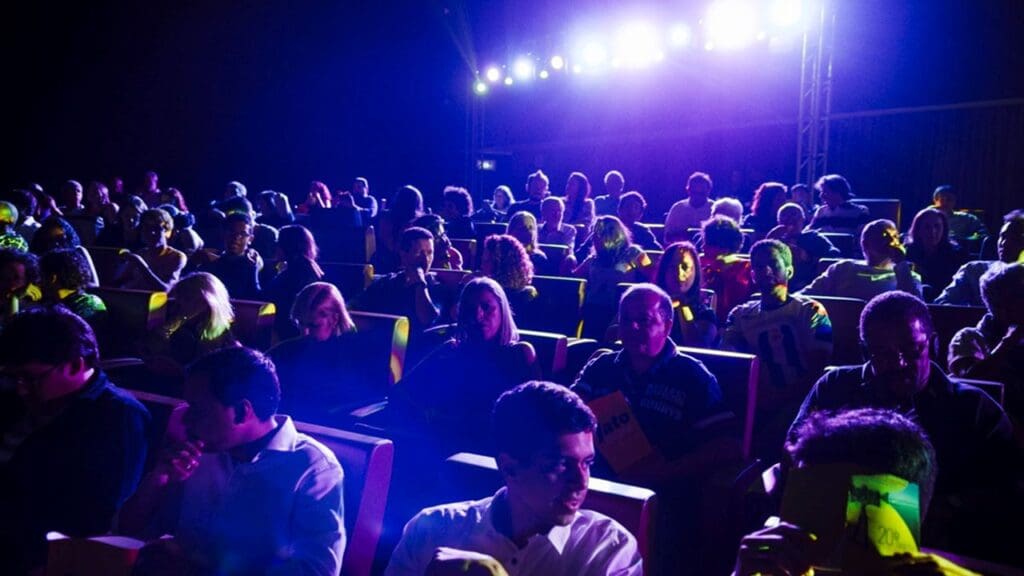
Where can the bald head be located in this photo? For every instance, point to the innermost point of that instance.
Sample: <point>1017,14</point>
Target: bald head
<point>8,214</point>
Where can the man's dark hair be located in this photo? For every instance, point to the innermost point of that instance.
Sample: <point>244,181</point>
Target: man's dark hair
<point>775,247</point>
<point>722,232</point>
<point>460,198</point>
<point>835,183</point>
<point>48,335</point>
<point>237,374</point>
<point>882,441</point>
<point>944,189</point>
<point>1014,216</point>
<point>236,217</point>
<point>1001,284</point>
<point>43,241</point>
<point>413,234</point>
<point>27,259</point>
<point>238,204</point>
<point>894,307</point>
<point>526,418</point>
<point>633,196</point>
<point>69,265</point>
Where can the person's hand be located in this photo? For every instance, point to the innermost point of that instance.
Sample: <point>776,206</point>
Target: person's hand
<point>415,275</point>
<point>1014,336</point>
<point>177,462</point>
<point>783,549</point>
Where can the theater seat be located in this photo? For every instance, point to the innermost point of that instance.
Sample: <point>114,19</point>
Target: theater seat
<point>551,349</point>
<point>350,279</point>
<point>390,338</point>
<point>844,314</point>
<point>846,243</point>
<point>107,261</point>
<point>343,243</point>
<point>254,323</point>
<point>558,307</point>
<point>888,208</point>
<point>135,313</point>
<point>556,253</point>
<point>473,476</point>
<point>468,248</point>
<point>738,376</point>
<point>948,320</point>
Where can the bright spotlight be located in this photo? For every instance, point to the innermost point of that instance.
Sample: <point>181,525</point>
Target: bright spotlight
<point>557,62</point>
<point>508,80</point>
<point>731,24</point>
<point>786,13</point>
<point>637,45</point>
<point>594,54</point>
<point>523,68</point>
<point>543,74</point>
<point>480,87</point>
<point>493,74</point>
<point>577,69</point>
<point>680,35</point>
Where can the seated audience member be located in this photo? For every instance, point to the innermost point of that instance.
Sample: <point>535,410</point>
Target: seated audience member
<point>978,464</point>
<point>234,189</point>
<point>965,289</point>
<point>70,198</point>
<point>884,268</point>
<point>65,275</point>
<point>523,227</point>
<point>453,388</point>
<point>446,256</point>
<point>9,237</point>
<point>613,259</point>
<point>185,238</point>
<point>803,196</point>
<point>935,255</point>
<point>98,204</point>
<point>691,211</point>
<point>19,276</point>
<point>124,232</point>
<point>406,206</point>
<point>361,197</point>
<point>553,229</point>
<point>55,233</point>
<point>199,320</point>
<point>808,247</point>
<point>505,261</point>
<point>155,266</point>
<point>864,442</point>
<point>149,189</point>
<point>729,207</point>
<point>458,211</point>
<point>607,204</point>
<point>25,202</point>
<point>243,492</point>
<point>275,209</point>
<point>496,209</point>
<point>964,227</point>
<point>764,210</point>
<point>722,268</point>
<point>407,292</point>
<point>838,214</point>
<point>536,191</point>
<point>296,268</point>
<point>46,206</point>
<point>238,266</point>
<point>326,366</point>
<point>317,198</point>
<point>791,334</point>
<point>74,444</point>
<point>579,206</point>
<point>994,350</point>
<point>693,322</point>
<point>543,435</point>
<point>631,210</point>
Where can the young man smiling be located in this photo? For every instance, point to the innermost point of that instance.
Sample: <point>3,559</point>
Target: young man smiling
<point>533,525</point>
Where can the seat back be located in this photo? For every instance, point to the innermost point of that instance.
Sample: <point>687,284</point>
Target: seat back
<point>824,263</point>
<point>366,460</point>
<point>558,307</point>
<point>342,243</point>
<point>844,314</point>
<point>948,320</point>
<point>846,243</point>
<point>392,334</point>
<point>466,247</point>
<point>485,229</point>
<point>254,323</point>
<point>888,208</point>
<point>135,313</point>
<point>556,253</point>
<point>107,261</point>
<point>552,351</point>
<point>659,231</point>
<point>655,256</point>
<point>350,279</point>
<point>476,476</point>
<point>738,376</point>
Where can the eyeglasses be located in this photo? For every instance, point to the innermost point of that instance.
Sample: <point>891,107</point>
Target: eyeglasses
<point>895,356</point>
<point>23,380</point>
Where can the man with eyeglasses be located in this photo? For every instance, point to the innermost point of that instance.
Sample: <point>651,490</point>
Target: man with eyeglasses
<point>72,445</point>
<point>239,265</point>
<point>977,460</point>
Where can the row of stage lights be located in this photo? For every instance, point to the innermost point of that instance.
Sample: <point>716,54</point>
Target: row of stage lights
<point>727,25</point>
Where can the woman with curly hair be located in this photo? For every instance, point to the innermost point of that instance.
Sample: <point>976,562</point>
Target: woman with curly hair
<point>56,233</point>
<point>505,261</point>
<point>768,198</point>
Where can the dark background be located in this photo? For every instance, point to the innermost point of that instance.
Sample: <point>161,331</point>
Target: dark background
<point>277,93</point>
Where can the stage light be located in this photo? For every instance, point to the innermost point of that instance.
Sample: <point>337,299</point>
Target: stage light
<point>731,24</point>
<point>786,13</point>
<point>508,80</point>
<point>680,35</point>
<point>637,45</point>
<point>594,54</point>
<point>577,69</point>
<point>480,87</point>
<point>543,74</point>
<point>557,62</point>
<point>523,68</point>
<point>493,74</point>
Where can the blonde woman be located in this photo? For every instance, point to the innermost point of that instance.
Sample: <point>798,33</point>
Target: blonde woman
<point>199,320</point>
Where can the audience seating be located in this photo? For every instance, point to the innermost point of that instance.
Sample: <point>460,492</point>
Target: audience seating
<point>471,476</point>
<point>994,389</point>
<point>107,262</point>
<point>393,335</point>
<point>655,256</point>
<point>658,229</point>
<point>578,353</point>
<point>466,247</point>
<point>366,460</point>
<point>948,320</point>
<point>846,243</point>
<point>824,263</point>
<point>344,243</point>
<point>844,313</point>
<point>136,313</point>
<point>485,229</point>
<point>254,323</point>
<point>351,279</point>
<point>738,376</point>
<point>888,208</point>
<point>556,253</point>
<point>551,349</point>
<point>558,307</point>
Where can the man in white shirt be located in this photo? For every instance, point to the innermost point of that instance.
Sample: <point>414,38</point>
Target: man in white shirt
<point>534,525</point>
<point>689,213</point>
